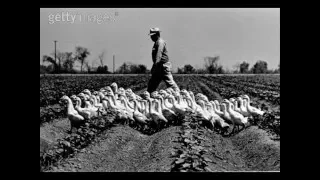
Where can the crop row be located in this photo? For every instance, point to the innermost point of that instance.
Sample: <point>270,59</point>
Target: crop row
<point>53,88</point>
<point>88,133</point>
<point>271,96</point>
<point>74,142</point>
<point>50,113</point>
<point>255,85</point>
<point>270,122</point>
<point>227,90</point>
<point>189,158</point>
<point>271,81</point>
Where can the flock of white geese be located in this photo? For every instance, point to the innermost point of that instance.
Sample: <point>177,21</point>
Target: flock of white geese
<point>162,105</point>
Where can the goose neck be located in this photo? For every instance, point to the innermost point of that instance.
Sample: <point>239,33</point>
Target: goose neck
<point>161,103</point>
<point>124,102</point>
<point>150,104</point>
<point>110,103</point>
<point>246,102</point>
<point>229,109</point>
<point>135,104</point>
<point>214,107</point>
<point>224,108</point>
<point>70,106</point>
<point>78,103</point>
<point>235,104</point>
<point>191,102</point>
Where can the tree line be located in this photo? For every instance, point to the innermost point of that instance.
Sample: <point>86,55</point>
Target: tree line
<point>65,61</point>
<point>212,67</point>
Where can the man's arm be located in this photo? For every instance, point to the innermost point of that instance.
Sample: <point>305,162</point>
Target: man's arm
<point>159,51</point>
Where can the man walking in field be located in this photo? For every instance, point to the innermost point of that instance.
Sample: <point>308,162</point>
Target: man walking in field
<point>161,69</point>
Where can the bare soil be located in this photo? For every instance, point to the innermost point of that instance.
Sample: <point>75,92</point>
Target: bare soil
<point>124,149</point>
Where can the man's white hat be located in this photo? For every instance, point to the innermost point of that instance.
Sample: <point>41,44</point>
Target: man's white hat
<point>154,31</point>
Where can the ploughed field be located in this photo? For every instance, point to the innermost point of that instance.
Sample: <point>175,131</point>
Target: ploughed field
<point>105,144</point>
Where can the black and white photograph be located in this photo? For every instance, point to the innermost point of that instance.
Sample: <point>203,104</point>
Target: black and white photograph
<point>160,89</point>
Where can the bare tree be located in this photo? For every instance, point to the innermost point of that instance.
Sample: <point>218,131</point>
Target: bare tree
<point>81,54</point>
<point>211,64</point>
<point>101,57</point>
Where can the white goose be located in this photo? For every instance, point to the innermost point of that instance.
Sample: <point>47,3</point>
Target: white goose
<point>217,111</point>
<point>115,101</point>
<point>145,103</point>
<point>159,111</point>
<point>155,116</point>
<point>237,118</point>
<point>166,102</point>
<point>252,109</point>
<point>108,89</point>
<point>85,112</point>
<point>195,106</point>
<point>163,92</point>
<point>138,98</point>
<point>101,95</point>
<point>153,95</point>
<point>217,119</point>
<point>205,113</point>
<point>86,91</point>
<point>90,105</point>
<point>129,98</point>
<point>95,101</point>
<point>185,95</point>
<point>74,117</point>
<point>163,105</point>
<point>217,104</point>
<point>138,116</point>
<point>114,88</point>
<point>124,100</point>
<point>144,107</point>
<point>232,100</point>
<point>236,107</point>
<point>121,91</point>
<point>84,99</point>
<point>226,116</point>
<point>129,111</point>
<point>205,98</point>
<point>108,101</point>
<point>176,107</point>
<point>243,108</point>
<point>115,104</point>
<point>104,102</point>
<point>181,102</point>
<point>167,113</point>
<point>95,93</point>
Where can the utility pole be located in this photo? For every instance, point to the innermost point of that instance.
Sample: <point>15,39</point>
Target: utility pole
<point>55,50</point>
<point>113,63</point>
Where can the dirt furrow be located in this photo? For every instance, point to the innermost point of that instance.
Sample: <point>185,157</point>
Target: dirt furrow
<point>123,149</point>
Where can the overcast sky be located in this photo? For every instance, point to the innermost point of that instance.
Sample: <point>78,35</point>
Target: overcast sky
<point>236,35</point>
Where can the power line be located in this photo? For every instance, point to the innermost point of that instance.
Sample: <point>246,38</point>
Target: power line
<point>113,62</point>
<point>55,50</point>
